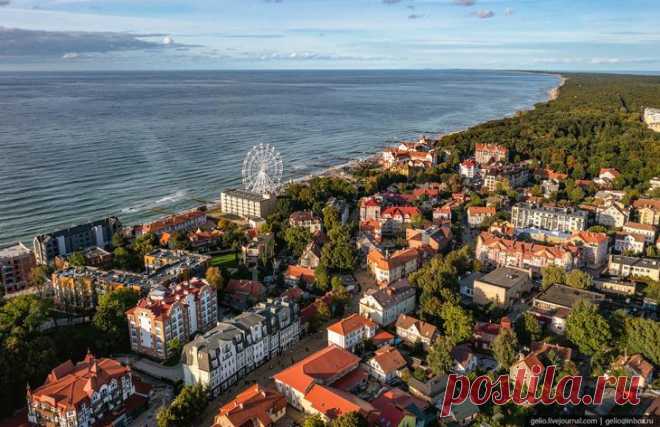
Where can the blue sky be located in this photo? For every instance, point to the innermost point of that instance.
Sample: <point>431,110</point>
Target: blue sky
<point>600,35</point>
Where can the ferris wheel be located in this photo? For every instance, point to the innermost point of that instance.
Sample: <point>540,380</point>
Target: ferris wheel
<point>262,169</point>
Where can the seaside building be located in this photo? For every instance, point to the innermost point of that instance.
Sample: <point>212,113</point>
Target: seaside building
<point>490,153</point>
<point>184,221</point>
<point>16,263</point>
<point>233,348</point>
<point>468,168</point>
<point>502,287</point>
<point>166,314</point>
<point>92,392</point>
<point>259,249</point>
<point>563,220</point>
<point>499,251</point>
<point>351,331</point>
<point>385,304</point>
<point>247,204</point>
<point>510,175</point>
<point>593,245</point>
<point>78,238</point>
<point>164,266</point>
<point>612,214</point>
<point>79,288</point>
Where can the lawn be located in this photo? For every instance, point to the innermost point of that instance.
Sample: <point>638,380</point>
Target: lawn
<point>224,261</point>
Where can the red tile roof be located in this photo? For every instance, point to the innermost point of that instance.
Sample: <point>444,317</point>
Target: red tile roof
<point>350,324</point>
<point>334,402</point>
<point>299,272</point>
<point>653,204</point>
<point>245,287</point>
<point>591,237</point>
<point>402,211</point>
<point>389,359</point>
<point>252,406</point>
<point>481,210</point>
<point>160,308</point>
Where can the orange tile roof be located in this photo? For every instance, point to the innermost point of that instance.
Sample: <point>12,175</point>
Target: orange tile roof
<point>591,237</point>
<point>160,308</point>
<point>389,359</point>
<point>245,287</point>
<point>403,211</point>
<point>252,407</point>
<point>491,148</point>
<point>396,259</point>
<point>653,204</point>
<point>317,368</point>
<point>382,336</point>
<point>333,402</point>
<point>636,362</point>
<point>350,324</point>
<point>481,210</point>
<point>171,221</point>
<point>526,249</point>
<point>639,226</point>
<point>68,385</point>
<point>307,274</point>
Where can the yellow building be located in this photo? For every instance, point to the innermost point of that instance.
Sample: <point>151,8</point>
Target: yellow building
<point>502,286</point>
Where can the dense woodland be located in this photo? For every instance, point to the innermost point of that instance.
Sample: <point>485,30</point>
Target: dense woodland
<point>596,122</point>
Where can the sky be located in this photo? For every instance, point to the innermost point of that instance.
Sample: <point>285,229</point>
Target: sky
<point>585,35</point>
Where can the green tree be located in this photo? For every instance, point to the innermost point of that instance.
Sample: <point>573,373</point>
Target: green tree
<point>339,293</point>
<point>579,279</point>
<point>439,357</point>
<point>338,254</point>
<point>587,329</point>
<point>505,347</point>
<point>76,259</point>
<point>642,336</point>
<point>145,244</point>
<point>322,278</point>
<point>323,310</point>
<point>331,218</point>
<point>296,239</point>
<point>314,421</point>
<point>110,318</point>
<point>118,240</point>
<point>185,409</point>
<point>351,419</point>
<point>528,328</point>
<point>553,275</point>
<point>179,240</point>
<point>457,322</point>
<point>174,348</point>
<point>215,279</point>
<point>125,259</point>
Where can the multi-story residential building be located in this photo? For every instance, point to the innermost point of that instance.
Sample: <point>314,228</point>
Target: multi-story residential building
<point>86,394</point>
<point>184,221</point>
<point>502,287</point>
<point>260,249</point>
<point>79,288</point>
<point>370,208</point>
<point>652,118</point>
<point>16,263</point>
<point>500,251</point>
<point>305,219</point>
<point>388,268</point>
<point>648,211</point>
<point>164,266</point>
<point>626,266</point>
<point>78,238</point>
<point>476,215</point>
<point>468,168</point>
<point>413,330</point>
<point>247,204</point>
<point>564,220</point>
<point>226,353</point>
<point>487,153</point>
<point>629,243</point>
<point>386,364</point>
<point>395,218</point>
<point>593,245</point>
<point>554,304</point>
<point>509,175</point>
<point>254,406</point>
<point>311,384</point>
<point>385,304</point>
<point>166,314</point>
<point>351,331</point>
<point>647,231</point>
<point>612,214</point>
<point>442,214</point>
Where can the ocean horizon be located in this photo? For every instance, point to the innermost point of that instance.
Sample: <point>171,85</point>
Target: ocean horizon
<point>79,146</point>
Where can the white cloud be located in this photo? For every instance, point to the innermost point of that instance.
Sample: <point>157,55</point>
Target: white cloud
<point>71,55</point>
<point>508,11</point>
<point>605,60</point>
<point>168,40</point>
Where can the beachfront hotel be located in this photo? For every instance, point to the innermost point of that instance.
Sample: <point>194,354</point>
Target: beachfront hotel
<point>247,204</point>
<point>16,262</point>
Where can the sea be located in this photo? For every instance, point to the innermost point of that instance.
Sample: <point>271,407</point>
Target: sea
<point>75,147</point>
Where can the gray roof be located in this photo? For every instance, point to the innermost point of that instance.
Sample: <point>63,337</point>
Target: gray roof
<point>650,263</point>
<point>505,277</point>
<point>566,296</point>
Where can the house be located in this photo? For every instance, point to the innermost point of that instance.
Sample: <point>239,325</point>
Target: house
<point>305,219</point>
<point>370,208</point>
<point>502,287</point>
<point>184,221</point>
<point>399,216</point>
<point>487,153</point>
<point>297,274</point>
<point>242,294</point>
<point>412,330</point>
<point>382,338</point>
<point>442,214</point>
<point>388,268</point>
<point>258,249</point>
<point>499,251</point>
<point>635,365</point>
<point>464,413</point>
<point>398,408</point>
<point>511,175</point>
<point>478,214</point>
<point>468,168</point>
<point>465,360</point>
<point>351,331</point>
<point>309,385</point>
<point>629,243</point>
<point>386,364</point>
<point>553,305</point>
<point>648,231</point>
<point>311,256</point>
<point>612,214</point>
<point>201,240</point>
<point>435,238</point>
<point>594,247</point>
<point>385,304</point>
<point>648,211</point>
<point>254,406</point>
<point>91,392</point>
<point>626,266</point>
<point>430,389</point>
<point>485,332</point>
<point>606,176</point>
<point>541,355</point>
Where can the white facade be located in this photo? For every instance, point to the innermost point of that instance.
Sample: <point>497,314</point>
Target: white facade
<point>386,304</point>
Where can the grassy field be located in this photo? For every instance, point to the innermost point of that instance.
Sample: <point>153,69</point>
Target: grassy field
<point>224,261</point>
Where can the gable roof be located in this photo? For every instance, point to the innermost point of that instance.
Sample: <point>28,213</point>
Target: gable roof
<point>389,359</point>
<point>252,407</point>
<point>351,323</point>
<point>425,329</point>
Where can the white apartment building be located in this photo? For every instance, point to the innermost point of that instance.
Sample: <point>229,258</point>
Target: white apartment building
<point>226,353</point>
<point>565,220</point>
<point>612,214</point>
<point>384,305</point>
<point>626,266</point>
<point>351,331</point>
<point>246,204</point>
